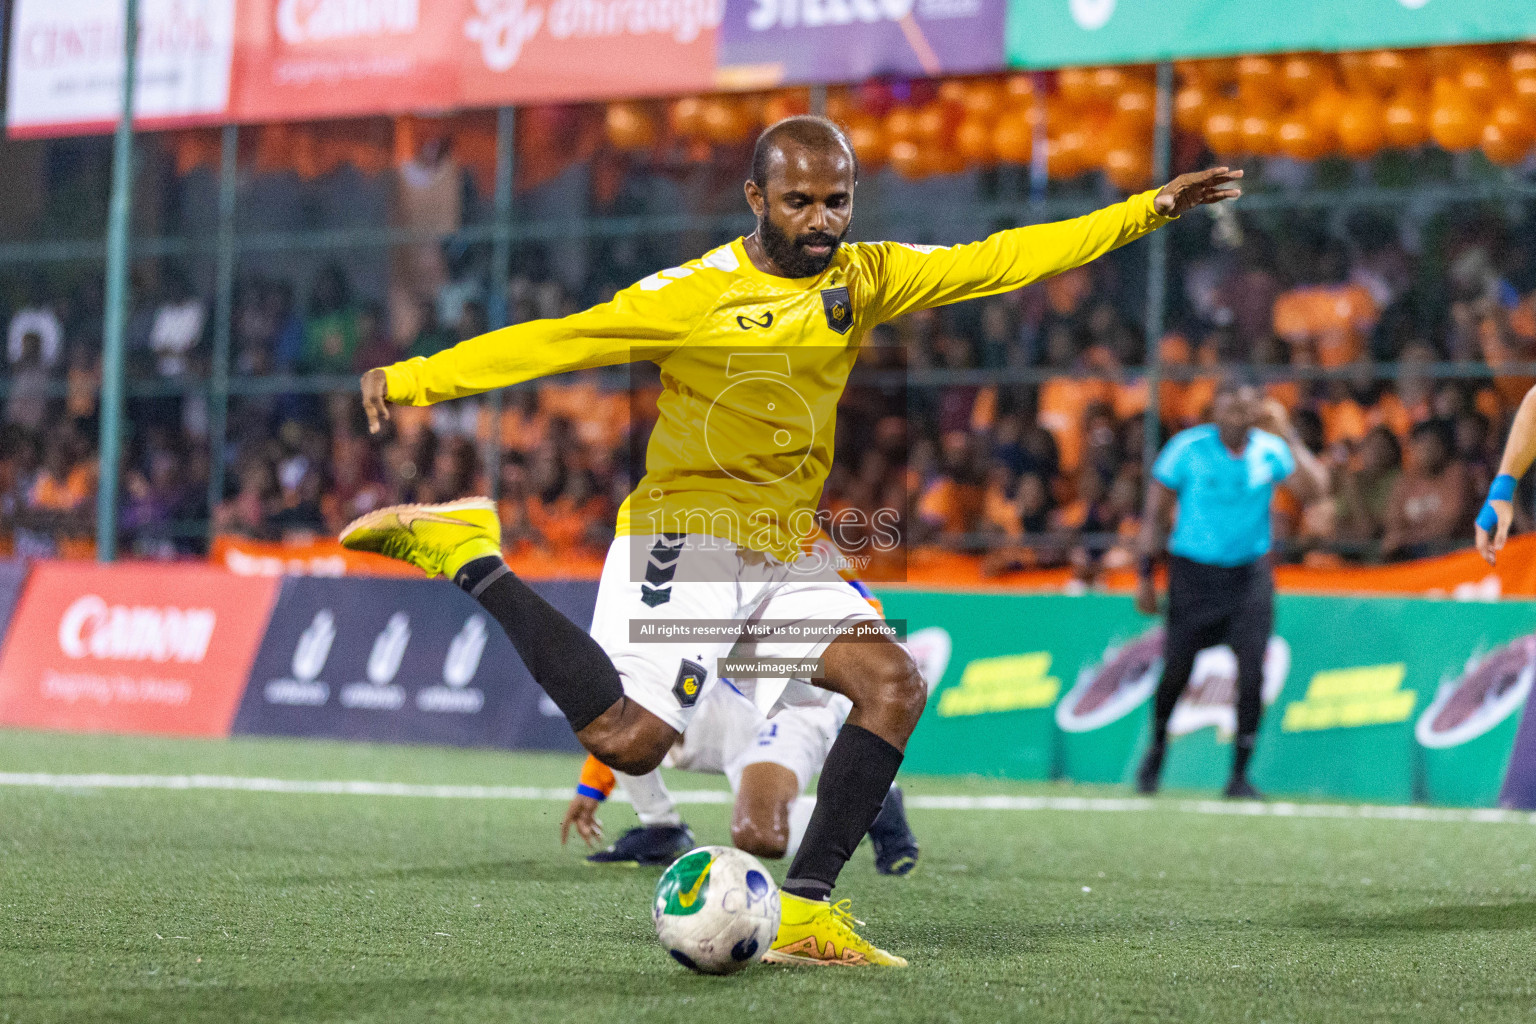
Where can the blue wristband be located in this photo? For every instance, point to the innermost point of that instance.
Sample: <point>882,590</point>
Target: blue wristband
<point>1503,489</point>
<point>582,789</point>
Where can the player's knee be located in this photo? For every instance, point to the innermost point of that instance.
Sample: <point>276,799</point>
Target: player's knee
<point>764,841</point>
<point>628,739</point>
<point>896,690</point>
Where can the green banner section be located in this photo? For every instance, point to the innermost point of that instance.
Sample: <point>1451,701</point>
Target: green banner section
<point>1392,700</point>
<point>1064,33</point>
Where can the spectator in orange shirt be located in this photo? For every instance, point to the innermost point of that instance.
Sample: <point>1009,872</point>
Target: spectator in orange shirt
<point>1332,317</point>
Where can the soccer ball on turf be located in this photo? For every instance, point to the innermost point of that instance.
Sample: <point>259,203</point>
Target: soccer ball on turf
<point>716,910</point>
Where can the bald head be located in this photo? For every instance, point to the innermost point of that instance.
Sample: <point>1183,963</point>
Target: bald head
<point>820,135</point>
<point>801,190</point>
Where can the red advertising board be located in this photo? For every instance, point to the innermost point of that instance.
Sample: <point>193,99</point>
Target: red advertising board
<point>284,60</point>
<point>544,51</point>
<point>297,59</point>
<point>304,59</point>
<point>132,648</point>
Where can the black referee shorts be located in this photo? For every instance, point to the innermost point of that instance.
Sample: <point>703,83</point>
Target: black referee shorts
<point>1216,604</point>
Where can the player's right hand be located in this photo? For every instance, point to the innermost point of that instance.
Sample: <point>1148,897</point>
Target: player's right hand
<point>582,814</point>
<point>375,402</point>
<point>1146,597</point>
<point>1490,544</point>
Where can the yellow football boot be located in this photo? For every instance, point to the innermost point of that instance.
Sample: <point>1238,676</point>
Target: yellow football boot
<point>437,539</point>
<point>821,934</point>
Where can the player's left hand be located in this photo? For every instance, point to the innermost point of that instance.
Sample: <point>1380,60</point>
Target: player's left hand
<point>582,814</point>
<point>1490,544</point>
<point>1198,188</point>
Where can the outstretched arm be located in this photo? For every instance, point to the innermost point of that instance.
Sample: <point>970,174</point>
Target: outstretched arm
<point>644,321</point>
<point>918,277</point>
<point>1519,451</point>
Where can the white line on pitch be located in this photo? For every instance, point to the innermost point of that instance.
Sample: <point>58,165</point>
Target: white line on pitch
<point>1276,809</point>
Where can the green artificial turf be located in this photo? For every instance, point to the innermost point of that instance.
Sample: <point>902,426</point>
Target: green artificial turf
<point>225,907</point>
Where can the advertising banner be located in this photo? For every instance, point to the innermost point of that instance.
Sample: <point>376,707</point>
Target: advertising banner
<point>406,661</point>
<point>141,648</point>
<point>772,42</point>
<point>1376,699</point>
<point>548,51</point>
<point>331,58</point>
<point>1060,33</point>
<point>282,60</point>
<point>65,71</point>
<point>302,59</point>
<point>321,557</point>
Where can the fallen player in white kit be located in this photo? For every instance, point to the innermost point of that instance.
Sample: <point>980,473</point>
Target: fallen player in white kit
<point>769,763</point>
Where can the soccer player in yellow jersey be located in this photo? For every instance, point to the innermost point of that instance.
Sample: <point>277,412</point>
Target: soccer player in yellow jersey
<point>755,341</point>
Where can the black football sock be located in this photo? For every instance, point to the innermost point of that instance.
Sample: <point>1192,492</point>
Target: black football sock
<point>857,774</point>
<point>1242,750</point>
<point>561,657</point>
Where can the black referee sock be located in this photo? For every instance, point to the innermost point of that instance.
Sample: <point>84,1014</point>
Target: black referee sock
<point>858,773</point>
<point>1242,751</point>
<point>561,657</point>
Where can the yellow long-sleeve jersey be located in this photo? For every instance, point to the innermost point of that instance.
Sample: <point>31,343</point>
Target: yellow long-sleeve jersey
<point>752,365</point>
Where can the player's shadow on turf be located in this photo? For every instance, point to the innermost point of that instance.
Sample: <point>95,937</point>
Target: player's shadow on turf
<point>1457,917</point>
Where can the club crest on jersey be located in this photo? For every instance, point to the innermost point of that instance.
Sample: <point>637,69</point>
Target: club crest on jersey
<point>839,309</point>
<point>690,683</point>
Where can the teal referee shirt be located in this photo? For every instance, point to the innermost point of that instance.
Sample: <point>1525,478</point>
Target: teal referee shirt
<point>1224,499</point>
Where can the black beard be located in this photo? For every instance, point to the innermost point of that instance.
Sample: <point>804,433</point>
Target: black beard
<point>789,255</point>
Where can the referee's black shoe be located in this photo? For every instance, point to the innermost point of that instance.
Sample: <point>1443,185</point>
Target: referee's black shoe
<point>649,845</point>
<point>1239,788</point>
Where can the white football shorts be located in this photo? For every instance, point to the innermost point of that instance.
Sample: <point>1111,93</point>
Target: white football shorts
<point>728,733</point>
<point>651,581</point>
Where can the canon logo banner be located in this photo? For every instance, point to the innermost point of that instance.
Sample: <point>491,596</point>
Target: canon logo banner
<point>132,648</point>
<point>91,628</point>
<point>317,21</point>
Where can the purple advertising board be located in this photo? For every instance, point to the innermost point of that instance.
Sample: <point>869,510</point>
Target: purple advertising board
<point>765,43</point>
<point>401,661</point>
<point>13,573</point>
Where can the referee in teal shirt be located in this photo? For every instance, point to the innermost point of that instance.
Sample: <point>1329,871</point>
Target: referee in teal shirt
<point>1222,477</point>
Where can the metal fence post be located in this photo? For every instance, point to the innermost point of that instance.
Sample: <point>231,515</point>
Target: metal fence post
<point>1157,272</point>
<point>819,99</point>
<point>223,313</point>
<point>501,257</point>
<point>110,445</point>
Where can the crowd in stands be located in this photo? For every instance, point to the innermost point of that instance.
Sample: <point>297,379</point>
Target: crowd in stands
<point>1042,468</point>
